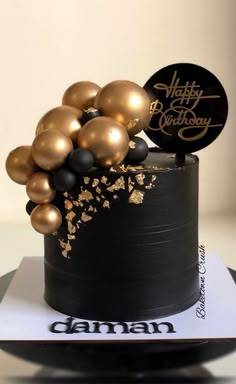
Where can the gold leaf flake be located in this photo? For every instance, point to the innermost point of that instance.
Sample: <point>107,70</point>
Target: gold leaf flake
<point>65,194</point>
<point>130,187</point>
<point>86,180</point>
<point>104,180</point>
<point>98,190</point>
<point>119,184</point>
<point>71,227</point>
<point>132,123</point>
<point>71,237</point>
<point>153,178</point>
<point>132,144</point>
<point>136,197</point>
<point>98,198</point>
<point>112,169</point>
<point>115,197</point>
<point>90,208</point>
<point>140,178</point>
<point>76,203</point>
<point>106,204</point>
<point>95,183</point>
<point>68,204</point>
<point>65,246</point>
<point>70,215</point>
<point>85,195</point>
<point>85,217</point>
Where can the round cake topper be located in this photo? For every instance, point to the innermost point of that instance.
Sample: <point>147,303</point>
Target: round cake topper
<point>189,108</point>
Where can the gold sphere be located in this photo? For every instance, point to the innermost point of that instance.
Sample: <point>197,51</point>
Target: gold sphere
<point>64,118</point>
<point>50,149</point>
<point>106,139</point>
<point>81,95</point>
<point>125,102</point>
<point>20,164</point>
<point>40,189</point>
<point>46,219</point>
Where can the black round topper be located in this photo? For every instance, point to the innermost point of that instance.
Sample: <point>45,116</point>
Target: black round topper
<point>189,108</point>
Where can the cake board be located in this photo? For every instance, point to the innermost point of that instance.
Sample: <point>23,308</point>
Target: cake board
<point>116,356</point>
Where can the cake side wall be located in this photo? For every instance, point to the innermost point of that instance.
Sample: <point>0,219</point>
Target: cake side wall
<point>132,260</point>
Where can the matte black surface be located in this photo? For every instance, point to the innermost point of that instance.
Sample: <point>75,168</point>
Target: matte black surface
<point>133,261</point>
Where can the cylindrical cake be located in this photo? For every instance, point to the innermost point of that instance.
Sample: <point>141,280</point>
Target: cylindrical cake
<point>128,247</point>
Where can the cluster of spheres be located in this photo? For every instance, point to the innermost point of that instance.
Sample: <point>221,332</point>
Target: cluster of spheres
<point>94,127</point>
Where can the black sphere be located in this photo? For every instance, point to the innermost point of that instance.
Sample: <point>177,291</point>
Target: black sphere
<point>138,150</point>
<point>63,180</point>
<point>80,160</point>
<point>30,206</point>
<point>89,114</point>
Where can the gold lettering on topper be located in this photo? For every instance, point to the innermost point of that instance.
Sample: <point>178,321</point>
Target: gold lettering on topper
<point>185,99</point>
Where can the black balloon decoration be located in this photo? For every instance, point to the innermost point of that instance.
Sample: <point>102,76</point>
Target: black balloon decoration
<point>80,160</point>
<point>138,150</point>
<point>63,179</point>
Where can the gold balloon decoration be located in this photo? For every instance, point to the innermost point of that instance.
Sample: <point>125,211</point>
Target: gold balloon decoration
<point>81,95</point>
<point>50,149</point>
<point>20,164</point>
<point>106,139</point>
<point>46,219</point>
<point>64,118</point>
<point>125,102</point>
<point>40,189</point>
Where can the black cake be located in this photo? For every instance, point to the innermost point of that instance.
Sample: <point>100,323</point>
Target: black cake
<point>128,248</point>
<point>120,220</point>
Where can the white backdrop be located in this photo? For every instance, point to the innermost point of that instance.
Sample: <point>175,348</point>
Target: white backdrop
<point>47,45</point>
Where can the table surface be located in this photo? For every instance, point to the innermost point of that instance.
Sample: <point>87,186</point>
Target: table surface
<point>217,233</point>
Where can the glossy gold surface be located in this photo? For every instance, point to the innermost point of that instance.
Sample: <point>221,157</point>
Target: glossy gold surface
<point>46,219</point>
<point>50,149</point>
<point>106,139</point>
<point>40,189</point>
<point>81,95</point>
<point>20,164</point>
<point>127,103</point>
<point>64,118</point>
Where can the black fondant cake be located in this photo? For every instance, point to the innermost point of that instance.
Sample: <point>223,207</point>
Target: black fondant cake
<point>128,248</point>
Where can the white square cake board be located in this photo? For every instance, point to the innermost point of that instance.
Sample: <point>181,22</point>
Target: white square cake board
<point>25,316</point>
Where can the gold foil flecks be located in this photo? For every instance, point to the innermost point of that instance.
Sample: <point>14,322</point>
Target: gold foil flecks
<point>65,194</point>
<point>115,197</point>
<point>90,208</point>
<point>68,204</point>
<point>85,195</point>
<point>106,204</point>
<point>140,178</point>
<point>130,187</point>
<point>76,203</point>
<point>136,197</point>
<point>153,178</point>
<point>119,184</point>
<point>132,123</point>
<point>98,198</point>
<point>132,144</point>
<point>95,183</point>
<point>70,215</point>
<point>85,217</point>
<point>71,227</point>
<point>86,180</point>
<point>112,169</point>
<point>70,237</point>
<point>98,190</point>
<point>65,246</point>
<point>104,180</point>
